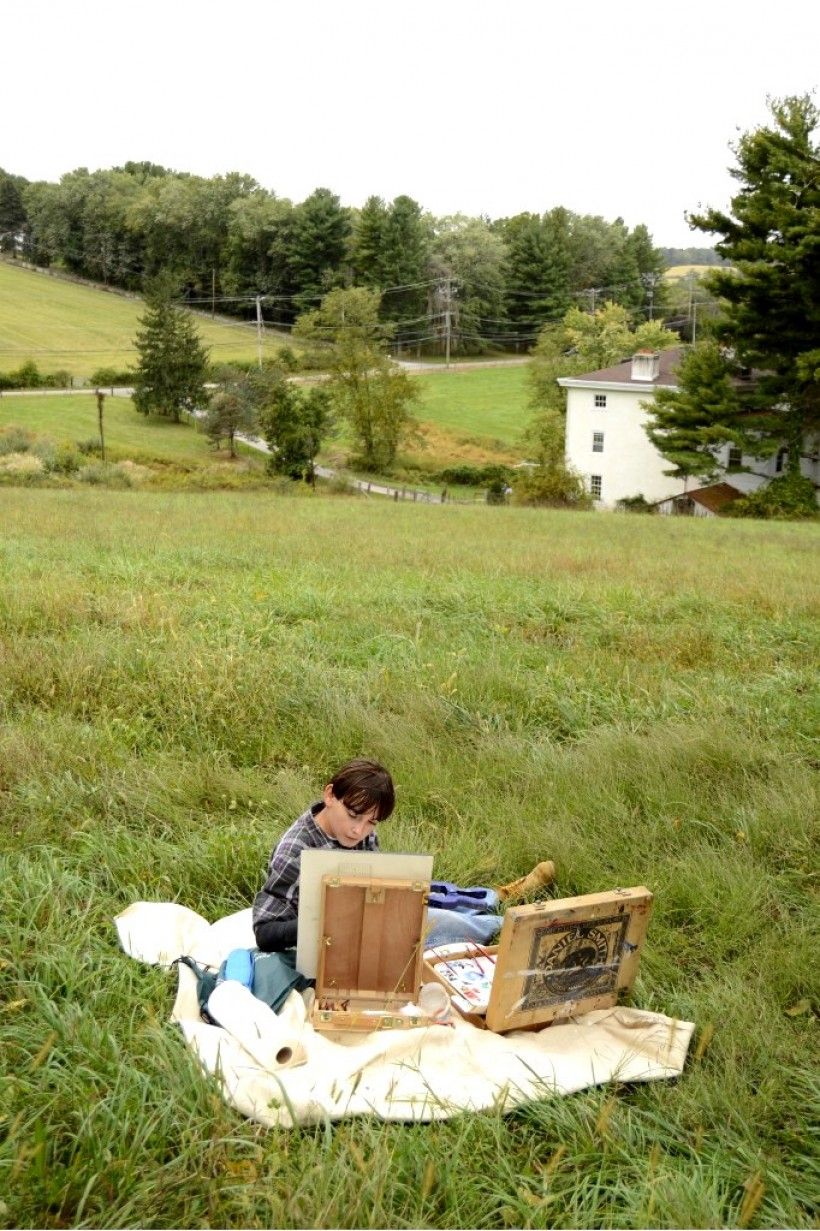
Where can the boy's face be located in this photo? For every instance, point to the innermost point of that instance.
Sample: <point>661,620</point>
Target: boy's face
<point>340,822</point>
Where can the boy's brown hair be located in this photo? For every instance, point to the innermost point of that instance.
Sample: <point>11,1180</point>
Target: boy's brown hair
<point>362,785</point>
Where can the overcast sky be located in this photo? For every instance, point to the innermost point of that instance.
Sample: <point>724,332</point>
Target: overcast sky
<point>480,108</point>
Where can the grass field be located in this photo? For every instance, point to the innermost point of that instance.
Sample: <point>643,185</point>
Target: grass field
<point>632,697</point>
<point>674,272</point>
<point>482,405</point>
<point>63,325</point>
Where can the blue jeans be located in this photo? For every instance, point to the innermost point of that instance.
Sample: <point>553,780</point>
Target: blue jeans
<point>447,926</point>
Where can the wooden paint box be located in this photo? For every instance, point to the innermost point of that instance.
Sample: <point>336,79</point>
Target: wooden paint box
<point>370,953</point>
<point>554,959</point>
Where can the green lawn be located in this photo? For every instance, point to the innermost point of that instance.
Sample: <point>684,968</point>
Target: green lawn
<point>73,417</point>
<point>632,697</point>
<point>489,403</point>
<point>63,325</point>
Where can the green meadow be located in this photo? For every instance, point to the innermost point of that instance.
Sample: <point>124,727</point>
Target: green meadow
<point>484,404</point>
<point>65,325</point>
<point>634,698</point>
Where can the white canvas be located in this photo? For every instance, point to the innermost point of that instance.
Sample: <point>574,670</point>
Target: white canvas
<point>314,864</point>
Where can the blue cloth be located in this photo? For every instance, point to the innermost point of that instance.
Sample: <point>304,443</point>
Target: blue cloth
<point>445,927</point>
<point>477,900</point>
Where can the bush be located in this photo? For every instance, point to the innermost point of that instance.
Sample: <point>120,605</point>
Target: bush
<point>29,376</point>
<point>101,377</point>
<point>635,504</point>
<point>104,474</point>
<point>476,476</point>
<point>21,465</point>
<point>90,447</point>
<point>790,498</point>
<point>15,439</point>
<point>551,487</point>
<point>58,459</point>
<point>288,359</point>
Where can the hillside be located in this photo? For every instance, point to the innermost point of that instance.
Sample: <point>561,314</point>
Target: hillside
<point>178,677</point>
<point>65,325</point>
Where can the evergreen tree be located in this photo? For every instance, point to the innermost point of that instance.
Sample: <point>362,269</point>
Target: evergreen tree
<point>771,237</point>
<point>173,363</point>
<point>538,262</point>
<point>318,245</point>
<point>405,247</point>
<point>368,243</point>
<point>687,423</point>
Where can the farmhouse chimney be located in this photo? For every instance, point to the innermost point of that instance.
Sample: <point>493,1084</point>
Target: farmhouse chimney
<point>646,365</point>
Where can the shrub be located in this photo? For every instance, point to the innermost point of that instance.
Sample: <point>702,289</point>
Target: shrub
<point>288,359</point>
<point>90,447</point>
<point>24,465</point>
<point>62,458</point>
<point>111,376</point>
<point>341,485</point>
<point>27,376</point>
<point>554,486</point>
<point>635,504</point>
<point>476,476</point>
<point>61,379</point>
<point>790,498</point>
<point>104,474</point>
<point>14,439</point>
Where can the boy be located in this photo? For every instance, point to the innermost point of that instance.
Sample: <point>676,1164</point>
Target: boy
<point>353,803</point>
<point>358,797</point>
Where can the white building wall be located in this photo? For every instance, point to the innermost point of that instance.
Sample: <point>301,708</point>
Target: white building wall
<point>629,464</point>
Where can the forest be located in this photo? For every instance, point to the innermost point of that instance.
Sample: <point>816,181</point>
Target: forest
<point>237,248</point>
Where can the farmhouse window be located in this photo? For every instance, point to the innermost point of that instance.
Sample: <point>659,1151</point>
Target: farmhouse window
<point>782,454</point>
<point>595,486</point>
<point>600,401</point>
<point>735,456</point>
<point>597,442</point>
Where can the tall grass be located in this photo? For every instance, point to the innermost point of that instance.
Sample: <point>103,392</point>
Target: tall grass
<point>634,698</point>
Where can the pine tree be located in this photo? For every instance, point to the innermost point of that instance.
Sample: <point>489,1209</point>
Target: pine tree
<point>173,363</point>
<point>702,413</point>
<point>772,288</point>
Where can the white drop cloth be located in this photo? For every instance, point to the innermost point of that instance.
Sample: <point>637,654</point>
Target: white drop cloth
<point>426,1073</point>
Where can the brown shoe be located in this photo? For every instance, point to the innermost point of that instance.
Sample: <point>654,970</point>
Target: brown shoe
<point>541,875</point>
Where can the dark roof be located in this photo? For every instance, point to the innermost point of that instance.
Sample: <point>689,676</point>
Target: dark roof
<point>622,372</point>
<point>716,497</point>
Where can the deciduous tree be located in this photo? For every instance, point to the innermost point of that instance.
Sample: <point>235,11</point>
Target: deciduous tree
<point>367,389</point>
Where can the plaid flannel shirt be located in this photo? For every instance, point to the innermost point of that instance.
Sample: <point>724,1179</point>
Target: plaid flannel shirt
<point>279,896</point>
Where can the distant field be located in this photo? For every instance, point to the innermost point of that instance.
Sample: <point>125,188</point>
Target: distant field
<point>74,418</point>
<point>487,403</point>
<point>674,272</point>
<point>61,324</point>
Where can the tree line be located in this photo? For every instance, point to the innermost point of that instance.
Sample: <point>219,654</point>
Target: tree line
<point>475,282</point>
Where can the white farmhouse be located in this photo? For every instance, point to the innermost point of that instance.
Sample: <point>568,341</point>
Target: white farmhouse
<point>605,437</point>
<point>606,440</point>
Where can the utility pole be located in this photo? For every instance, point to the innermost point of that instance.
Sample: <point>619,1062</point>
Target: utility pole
<point>259,328</point>
<point>447,325</point>
<point>694,322</point>
<point>100,404</point>
<point>213,294</point>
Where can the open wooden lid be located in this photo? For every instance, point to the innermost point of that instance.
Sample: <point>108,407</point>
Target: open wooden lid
<point>567,956</point>
<point>371,938</point>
